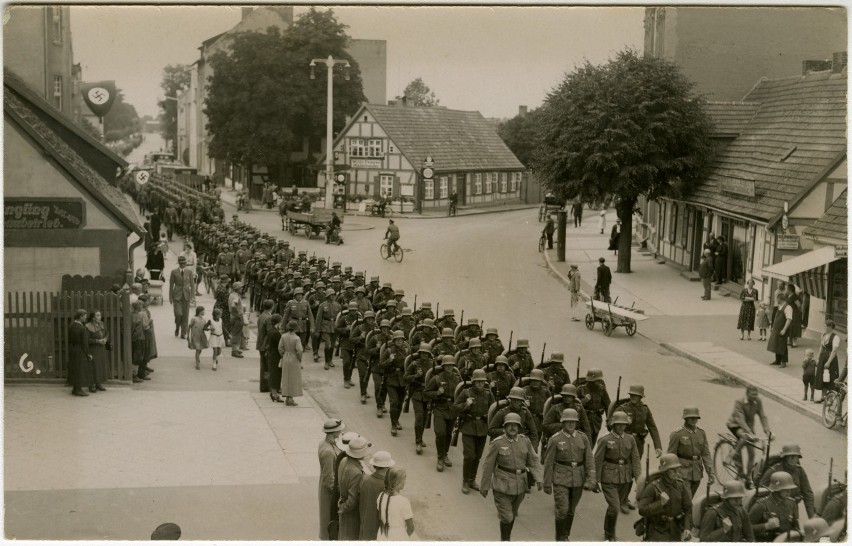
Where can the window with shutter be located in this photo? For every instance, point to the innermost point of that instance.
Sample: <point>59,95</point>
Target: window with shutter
<point>429,189</point>
<point>477,185</point>
<point>442,187</point>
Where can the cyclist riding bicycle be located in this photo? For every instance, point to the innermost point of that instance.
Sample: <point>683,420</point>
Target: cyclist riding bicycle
<point>392,235</point>
<point>741,425</point>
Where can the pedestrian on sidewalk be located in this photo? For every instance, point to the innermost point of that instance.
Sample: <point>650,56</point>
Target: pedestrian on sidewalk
<point>577,212</point>
<point>396,520</point>
<point>574,288</point>
<point>603,281</point>
<point>745,322</point>
<point>795,303</point>
<point>138,343</point>
<point>98,346</point>
<point>615,237</point>
<point>371,487</point>
<point>778,297</point>
<point>778,335</point>
<point>290,348</point>
<point>79,357</point>
<point>328,452</point>
<point>763,322</point>
<point>827,362</point>
<point>350,473</point>
<point>549,228</point>
<point>235,328</point>
<point>809,367</point>
<point>217,336</point>
<point>720,260</point>
<point>705,271</point>
<point>274,329</point>
<point>150,339</point>
<point>181,295</point>
<point>602,219</point>
<point>197,336</point>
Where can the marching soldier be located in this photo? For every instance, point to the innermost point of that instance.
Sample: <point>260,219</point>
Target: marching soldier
<point>554,373</point>
<point>790,456</point>
<point>595,400</point>
<point>517,406</point>
<point>415,378</point>
<point>425,312</point>
<point>243,256</point>
<point>389,312</point>
<point>364,304</point>
<point>640,424</point>
<point>691,447</point>
<point>728,520</point>
<point>359,280</point>
<point>666,504</point>
<point>343,327</point>
<point>398,296</point>
<point>617,466</point>
<point>552,421</point>
<point>315,298</point>
<point>472,406</point>
<point>426,333</point>
<point>299,311</point>
<point>537,393</point>
<point>492,347</point>
<point>380,338</point>
<point>448,320</point>
<point>362,353</point>
<point>501,378</point>
<point>440,391</point>
<point>569,467</point>
<point>285,255</point>
<point>468,332</point>
<point>776,513</point>
<point>225,262</point>
<point>381,297</point>
<point>348,294</point>
<point>472,359</point>
<point>393,364</point>
<point>326,314</point>
<point>446,345</point>
<point>510,457</point>
<point>405,322</point>
<point>521,363</point>
<point>373,288</point>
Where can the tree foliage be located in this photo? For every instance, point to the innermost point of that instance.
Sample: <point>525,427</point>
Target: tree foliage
<point>175,79</point>
<point>121,121</point>
<point>417,93</point>
<point>261,102</point>
<point>631,127</point>
<point>520,134</point>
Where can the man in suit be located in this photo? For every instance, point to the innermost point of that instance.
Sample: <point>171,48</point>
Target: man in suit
<point>577,213</point>
<point>182,295</point>
<point>603,282</point>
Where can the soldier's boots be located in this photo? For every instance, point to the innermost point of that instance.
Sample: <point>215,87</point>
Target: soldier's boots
<point>563,528</point>
<point>363,399</point>
<point>465,487</point>
<point>380,412</point>
<point>440,465</point>
<point>394,428</point>
<point>447,462</point>
<point>418,447</point>
<point>506,531</point>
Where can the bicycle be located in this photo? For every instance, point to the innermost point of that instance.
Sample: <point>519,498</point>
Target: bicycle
<point>832,407</point>
<point>209,277</point>
<point>386,251</point>
<point>541,242</point>
<point>451,211</point>
<point>728,465</point>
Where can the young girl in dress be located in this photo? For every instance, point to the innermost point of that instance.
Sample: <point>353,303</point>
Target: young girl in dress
<point>217,336</point>
<point>197,337</point>
<point>763,320</point>
<point>396,520</point>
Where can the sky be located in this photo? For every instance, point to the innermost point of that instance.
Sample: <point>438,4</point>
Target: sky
<point>490,59</point>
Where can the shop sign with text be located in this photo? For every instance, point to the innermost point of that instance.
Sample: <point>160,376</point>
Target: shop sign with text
<point>37,213</point>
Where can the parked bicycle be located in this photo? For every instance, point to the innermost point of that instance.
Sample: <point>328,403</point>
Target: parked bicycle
<point>541,241</point>
<point>386,251</point>
<point>832,407</point>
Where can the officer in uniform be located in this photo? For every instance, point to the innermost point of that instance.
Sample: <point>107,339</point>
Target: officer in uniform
<point>446,345</point>
<point>521,363</point>
<point>537,392</point>
<point>510,457</point>
<point>569,467</point>
<point>492,347</point>
<point>393,364</point>
<point>595,400</point>
<point>326,315</point>
<point>440,391</point>
<point>415,378</point>
<point>728,520</point>
<point>315,298</point>
<point>516,405</point>
<point>362,353</point>
<point>790,456</point>
<point>343,327</point>
<point>472,359</point>
<point>426,333</point>
<point>286,254</point>
<point>691,447</point>
<point>666,504</point>
<point>299,310</point>
<point>380,338</point>
<point>641,423</point>
<point>552,421</point>
<point>243,256</point>
<point>776,513</point>
<point>447,320</point>
<point>472,407</point>
<point>617,466</point>
<point>555,374</point>
<point>501,378</point>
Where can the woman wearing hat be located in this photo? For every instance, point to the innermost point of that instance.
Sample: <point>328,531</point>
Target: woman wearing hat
<point>396,520</point>
<point>369,491</point>
<point>350,472</point>
<point>290,348</point>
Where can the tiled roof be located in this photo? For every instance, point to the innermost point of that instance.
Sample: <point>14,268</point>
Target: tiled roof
<point>22,111</point>
<point>729,118</point>
<point>803,118</point>
<point>456,139</point>
<point>832,224</point>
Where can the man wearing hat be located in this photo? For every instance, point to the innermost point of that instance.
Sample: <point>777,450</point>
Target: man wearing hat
<point>383,337</point>
<point>327,453</point>
<point>492,347</point>
<point>472,359</point>
<point>348,293</point>
<point>595,400</point>
<point>537,391</point>
<point>425,312</point>
<point>666,504</point>
<point>326,315</point>
<point>392,362</point>
<point>398,296</point>
<point>501,378</point>
<point>728,520</point>
<point>617,466</point>
<point>510,457</point>
<point>447,320</point>
<point>343,328</point>
<point>350,473</point>
<point>286,254</point>
<point>404,322</point>
<point>472,408</point>
<point>359,334</point>
<point>692,449</point>
<point>235,308</point>
<point>742,426</point>
<point>790,456</point>
<point>371,486</point>
<point>574,287</point>
<point>521,363</point>
<point>390,311</point>
<point>567,399</point>
<point>641,420</point>
<point>568,468</point>
<point>517,405</point>
<point>440,391</point>
<point>776,513</point>
<point>415,379</point>
<point>299,311</point>
<point>181,295</point>
<point>603,281</point>
<point>373,288</point>
<point>382,296</point>
<point>364,304</point>
<point>705,271</point>
<point>446,345</point>
<point>467,332</point>
<point>425,333</point>
<point>555,373</point>
<point>242,258</point>
<point>261,343</point>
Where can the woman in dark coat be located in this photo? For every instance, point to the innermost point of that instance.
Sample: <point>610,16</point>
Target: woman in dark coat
<point>829,344</point>
<point>98,339</point>
<point>273,357</point>
<point>796,305</point>
<point>778,335</point>
<point>79,357</point>
<point>720,259</point>
<point>745,322</point>
<point>614,237</point>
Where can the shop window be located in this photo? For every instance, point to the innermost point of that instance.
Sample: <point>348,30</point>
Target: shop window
<point>477,184</point>
<point>456,182</point>
<point>429,189</point>
<point>684,225</point>
<point>442,187</point>
<point>386,184</point>
<point>487,182</point>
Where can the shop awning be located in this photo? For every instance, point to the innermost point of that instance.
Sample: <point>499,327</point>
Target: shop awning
<point>808,271</point>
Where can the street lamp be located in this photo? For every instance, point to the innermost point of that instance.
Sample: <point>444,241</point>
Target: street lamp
<point>329,152</point>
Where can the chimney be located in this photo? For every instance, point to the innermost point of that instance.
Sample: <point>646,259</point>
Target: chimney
<point>815,66</point>
<point>404,100</point>
<point>839,61</point>
<point>245,12</point>
<point>522,110</point>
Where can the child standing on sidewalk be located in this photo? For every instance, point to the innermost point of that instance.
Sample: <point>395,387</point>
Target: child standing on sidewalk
<point>809,366</point>
<point>197,337</point>
<point>217,336</point>
<point>762,320</point>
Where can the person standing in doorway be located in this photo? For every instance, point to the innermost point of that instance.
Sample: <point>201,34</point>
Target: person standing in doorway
<point>720,260</point>
<point>705,271</point>
<point>795,306</point>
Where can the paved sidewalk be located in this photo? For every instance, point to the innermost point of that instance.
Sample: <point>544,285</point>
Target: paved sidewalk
<point>679,320</point>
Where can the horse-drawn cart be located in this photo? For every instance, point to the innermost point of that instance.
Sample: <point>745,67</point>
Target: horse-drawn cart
<point>612,316</point>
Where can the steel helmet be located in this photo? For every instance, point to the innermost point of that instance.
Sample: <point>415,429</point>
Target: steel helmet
<point>557,357</point>
<point>594,374</point>
<point>512,418</point>
<point>407,312</point>
<point>569,415</point>
<point>398,334</point>
<point>690,412</point>
<point>446,332</point>
<point>569,390</point>
<point>523,343</point>
<point>491,331</point>
<point>369,314</point>
<point>329,292</point>
<point>619,418</point>
<point>791,449</point>
<point>424,348</point>
<point>353,306</point>
<point>449,313</point>
<point>537,375</point>
<point>780,481</point>
<point>390,303</point>
<point>399,292</point>
<point>473,322</point>
<point>448,360</point>
<point>426,305</point>
<point>474,342</point>
<point>669,461</point>
<point>319,285</point>
<point>428,322</point>
<point>815,528</point>
<point>479,375</point>
<point>501,360</point>
<point>384,324</point>
<point>363,291</point>
<point>733,490</point>
<point>517,393</point>
<point>638,390</point>
<point>296,291</point>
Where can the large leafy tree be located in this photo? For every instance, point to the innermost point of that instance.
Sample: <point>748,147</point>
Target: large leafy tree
<point>417,93</point>
<point>175,79</point>
<point>631,127</point>
<point>121,121</point>
<point>261,103</point>
<point>520,134</point>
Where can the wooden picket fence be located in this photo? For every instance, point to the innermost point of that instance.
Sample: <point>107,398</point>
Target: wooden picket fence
<point>35,328</point>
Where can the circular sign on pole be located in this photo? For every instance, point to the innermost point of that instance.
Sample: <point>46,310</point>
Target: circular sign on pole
<point>341,178</point>
<point>428,172</point>
<point>142,177</point>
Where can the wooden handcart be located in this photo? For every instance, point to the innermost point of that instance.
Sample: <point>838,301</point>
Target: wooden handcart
<point>612,316</point>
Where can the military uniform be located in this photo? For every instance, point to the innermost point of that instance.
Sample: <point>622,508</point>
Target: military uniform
<point>393,363</point>
<point>362,355</point>
<point>528,428</point>
<point>556,376</point>
<point>225,264</point>
<point>666,521</point>
<point>803,491</point>
<point>713,530</point>
<point>691,448</point>
<point>596,406</point>
<point>503,382</point>
<point>470,361</point>
<point>404,323</point>
<point>521,364</point>
<point>552,424</point>
<point>415,378</point>
<point>505,473</point>
<point>474,427</point>
<point>641,424</point>
<point>537,394</point>
<point>364,304</point>
<point>444,347</point>
<point>376,370</point>
<point>347,348</point>
<point>300,312</point>
<point>443,410</point>
<point>617,465</point>
<point>568,466</point>
<point>492,348</point>
<point>772,506</point>
<point>447,321</point>
<point>243,256</point>
<point>424,335</point>
<point>326,314</point>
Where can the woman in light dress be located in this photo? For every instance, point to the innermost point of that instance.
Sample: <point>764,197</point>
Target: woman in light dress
<point>602,219</point>
<point>197,336</point>
<point>396,520</point>
<point>290,348</point>
<point>217,336</point>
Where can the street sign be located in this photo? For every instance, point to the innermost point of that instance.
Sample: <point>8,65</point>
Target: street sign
<point>428,162</point>
<point>340,177</point>
<point>841,251</point>
<point>428,173</point>
<point>788,242</point>
<point>142,177</point>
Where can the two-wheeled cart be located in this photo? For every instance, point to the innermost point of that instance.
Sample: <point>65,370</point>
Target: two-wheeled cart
<point>612,316</point>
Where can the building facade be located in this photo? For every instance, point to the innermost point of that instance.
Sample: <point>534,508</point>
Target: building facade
<point>383,150</point>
